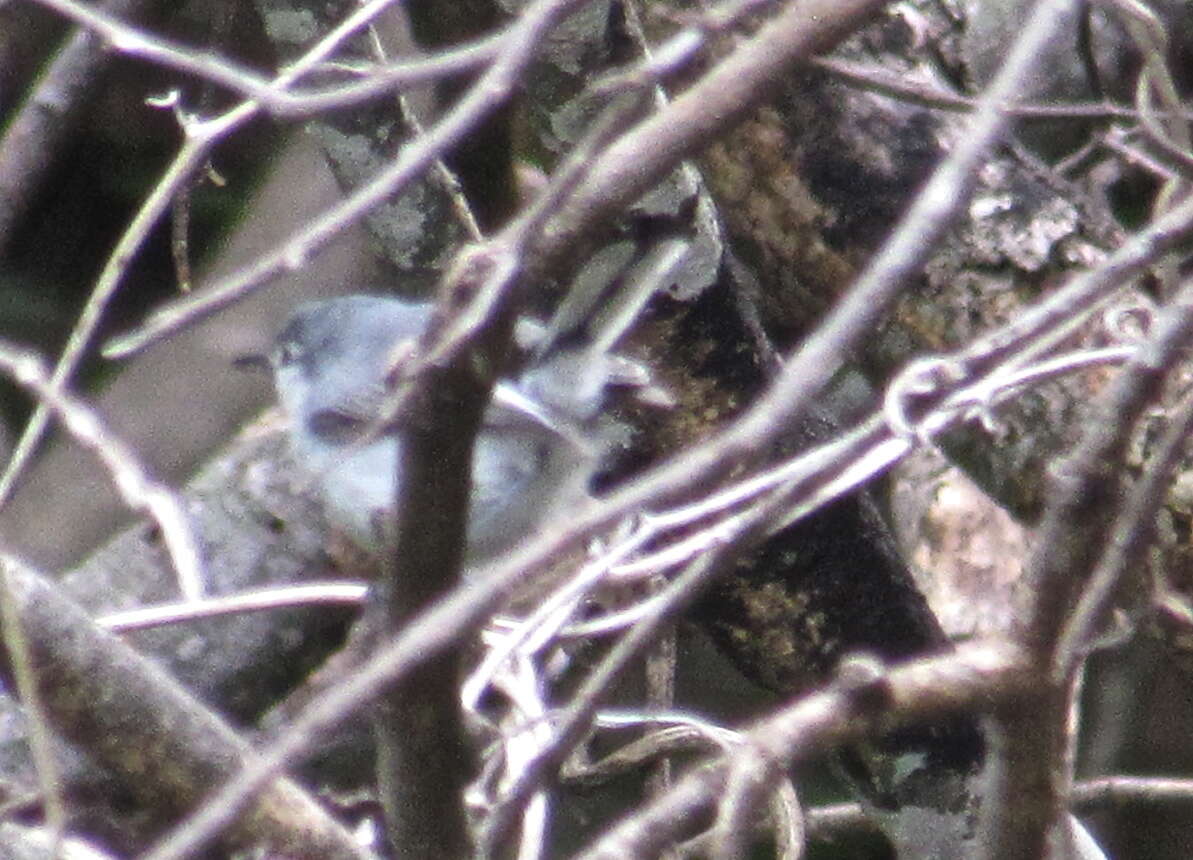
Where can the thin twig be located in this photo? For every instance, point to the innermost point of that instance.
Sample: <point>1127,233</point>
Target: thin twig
<point>1134,527</point>
<point>166,746</point>
<point>984,673</point>
<point>1087,505</point>
<point>448,181</point>
<point>25,675</point>
<point>200,138</point>
<point>485,96</point>
<point>129,478</point>
<point>876,79</point>
<point>33,134</point>
<point>265,599</point>
<point>276,95</point>
<point>439,625</point>
<point>571,725</point>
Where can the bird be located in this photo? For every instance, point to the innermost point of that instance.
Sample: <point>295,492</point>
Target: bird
<point>541,438</point>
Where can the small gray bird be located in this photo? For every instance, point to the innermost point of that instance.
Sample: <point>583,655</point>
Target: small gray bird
<point>537,447</point>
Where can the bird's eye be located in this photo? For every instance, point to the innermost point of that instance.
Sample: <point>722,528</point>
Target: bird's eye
<point>288,353</point>
<point>336,427</point>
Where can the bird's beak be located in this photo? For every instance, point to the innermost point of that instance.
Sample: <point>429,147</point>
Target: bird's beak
<point>252,363</point>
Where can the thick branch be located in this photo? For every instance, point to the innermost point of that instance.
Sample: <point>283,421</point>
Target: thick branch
<point>168,748</point>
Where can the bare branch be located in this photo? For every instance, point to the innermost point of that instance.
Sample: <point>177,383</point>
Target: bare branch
<point>278,96</point>
<point>36,131</point>
<point>986,673</point>
<point>129,477</point>
<point>168,747</point>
